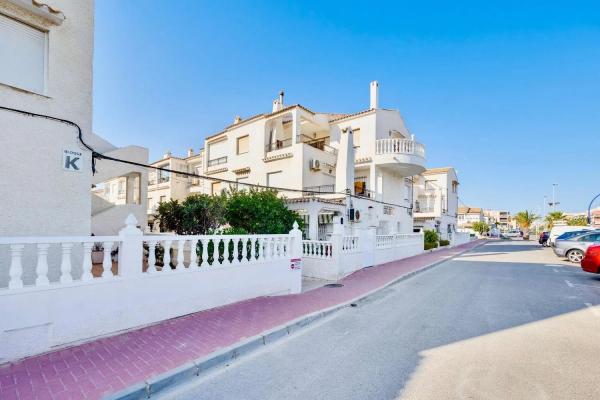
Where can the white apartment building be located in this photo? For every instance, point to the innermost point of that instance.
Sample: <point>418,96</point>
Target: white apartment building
<point>501,218</point>
<point>46,53</point>
<point>436,201</point>
<point>361,161</point>
<point>469,215</point>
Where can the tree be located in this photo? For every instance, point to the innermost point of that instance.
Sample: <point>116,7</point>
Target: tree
<point>578,221</point>
<point>259,211</point>
<point>525,219</point>
<point>170,216</point>
<point>554,216</point>
<point>198,214</point>
<point>480,227</point>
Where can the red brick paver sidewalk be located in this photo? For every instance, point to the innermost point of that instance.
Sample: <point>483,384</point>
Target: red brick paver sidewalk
<point>94,369</point>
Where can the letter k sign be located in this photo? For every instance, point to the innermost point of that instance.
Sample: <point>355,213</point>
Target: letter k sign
<point>72,160</point>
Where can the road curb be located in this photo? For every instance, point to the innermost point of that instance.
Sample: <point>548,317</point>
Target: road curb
<point>222,357</point>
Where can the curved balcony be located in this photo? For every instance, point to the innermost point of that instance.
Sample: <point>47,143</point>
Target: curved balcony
<point>403,155</point>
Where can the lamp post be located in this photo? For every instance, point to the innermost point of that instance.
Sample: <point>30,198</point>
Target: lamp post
<point>554,186</point>
<point>589,215</point>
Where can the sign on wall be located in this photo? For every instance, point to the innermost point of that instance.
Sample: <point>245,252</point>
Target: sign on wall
<point>72,160</point>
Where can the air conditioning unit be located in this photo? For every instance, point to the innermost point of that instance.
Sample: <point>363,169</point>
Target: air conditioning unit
<point>314,165</point>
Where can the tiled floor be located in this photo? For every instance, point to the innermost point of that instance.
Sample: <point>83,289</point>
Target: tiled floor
<point>91,370</point>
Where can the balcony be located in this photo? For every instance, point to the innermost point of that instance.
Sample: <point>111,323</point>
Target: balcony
<point>312,190</point>
<point>278,144</point>
<point>403,155</point>
<point>320,144</point>
<point>217,161</point>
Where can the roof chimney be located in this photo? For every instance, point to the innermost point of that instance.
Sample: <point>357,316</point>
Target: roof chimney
<point>237,120</point>
<point>374,103</point>
<point>190,152</point>
<point>278,102</point>
<point>167,155</point>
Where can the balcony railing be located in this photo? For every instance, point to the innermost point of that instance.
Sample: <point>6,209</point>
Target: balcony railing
<point>311,190</point>
<point>217,161</point>
<point>399,146</point>
<point>278,144</point>
<point>365,193</point>
<point>320,144</point>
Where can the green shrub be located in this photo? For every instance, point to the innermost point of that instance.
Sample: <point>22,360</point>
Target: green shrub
<point>429,246</point>
<point>444,242</point>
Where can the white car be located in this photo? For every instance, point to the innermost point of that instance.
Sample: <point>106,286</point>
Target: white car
<point>556,231</point>
<point>513,234</point>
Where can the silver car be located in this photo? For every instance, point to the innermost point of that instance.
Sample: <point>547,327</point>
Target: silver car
<point>574,248</point>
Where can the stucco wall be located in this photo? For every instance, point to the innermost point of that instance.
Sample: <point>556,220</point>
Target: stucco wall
<point>39,197</point>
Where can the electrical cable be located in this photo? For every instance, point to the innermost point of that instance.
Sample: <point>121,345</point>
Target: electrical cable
<point>100,156</point>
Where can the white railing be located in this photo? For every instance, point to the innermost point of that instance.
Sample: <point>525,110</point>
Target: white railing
<point>194,251</point>
<point>399,146</point>
<point>350,244</point>
<point>57,260</point>
<point>382,241</point>
<point>317,249</point>
<point>73,288</point>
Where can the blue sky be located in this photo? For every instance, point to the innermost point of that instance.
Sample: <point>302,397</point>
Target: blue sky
<point>506,92</point>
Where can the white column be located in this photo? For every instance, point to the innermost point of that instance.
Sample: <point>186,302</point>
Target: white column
<point>296,128</point>
<point>16,266</point>
<point>313,223</point>
<point>295,255</point>
<point>131,250</point>
<point>41,268</point>
<point>344,170</point>
<point>65,264</point>
<point>87,262</point>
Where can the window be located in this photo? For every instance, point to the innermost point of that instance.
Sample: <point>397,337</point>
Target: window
<point>590,238</point>
<point>215,188</point>
<point>162,199</point>
<point>24,53</point>
<point>242,180</point>
<point>217,153</point>
<point>243,144</point>
<point>275,179</point>
<point>356,137</point>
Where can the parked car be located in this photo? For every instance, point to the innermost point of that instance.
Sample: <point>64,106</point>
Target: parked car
<point>569,235</point>
<point>556,231</point>
<point>574,248</point>
<point>543,239</point>
<point>513,234</point>
<point>591,260</point>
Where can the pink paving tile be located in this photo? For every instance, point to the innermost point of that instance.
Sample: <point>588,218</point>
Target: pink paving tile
<point>94,369</point>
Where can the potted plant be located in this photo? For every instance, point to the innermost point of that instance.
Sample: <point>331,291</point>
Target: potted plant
<point>97,253</point>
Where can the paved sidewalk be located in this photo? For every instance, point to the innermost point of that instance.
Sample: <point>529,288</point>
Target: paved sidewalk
<point>94,369</point>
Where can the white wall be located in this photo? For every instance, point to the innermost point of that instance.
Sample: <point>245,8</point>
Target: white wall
<point>38,196</point>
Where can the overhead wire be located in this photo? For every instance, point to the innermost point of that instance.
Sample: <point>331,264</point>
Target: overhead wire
<point>99,156</point>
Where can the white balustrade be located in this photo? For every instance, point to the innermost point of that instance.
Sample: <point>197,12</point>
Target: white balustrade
<point>399,146</point>
<point>38,258</point>
<point>317,249</point>
<point>350,244</point>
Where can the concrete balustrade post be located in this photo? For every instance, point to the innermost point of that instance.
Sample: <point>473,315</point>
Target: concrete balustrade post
<point>296,259</point>
<point>131,250</point>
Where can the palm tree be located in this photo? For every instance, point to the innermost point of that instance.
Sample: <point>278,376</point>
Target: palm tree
<point>525,219</point>
<point>554,216</point>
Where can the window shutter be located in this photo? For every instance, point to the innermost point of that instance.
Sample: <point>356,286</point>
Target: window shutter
<point>23,55</point>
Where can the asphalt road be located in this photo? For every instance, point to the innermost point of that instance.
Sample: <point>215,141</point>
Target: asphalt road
<point>507,320</point>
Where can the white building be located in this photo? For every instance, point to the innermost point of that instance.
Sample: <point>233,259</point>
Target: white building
<point>499,218</point>
<point>333,162</point>
<point>46,56</point>
<point>467,216</point>
<point>436,201</point>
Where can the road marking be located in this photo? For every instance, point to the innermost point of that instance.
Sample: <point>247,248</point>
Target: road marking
<point>569,284</point>
<point>593,309</point>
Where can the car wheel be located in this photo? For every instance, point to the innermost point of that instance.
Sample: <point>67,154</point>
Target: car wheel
<point>575,256</point>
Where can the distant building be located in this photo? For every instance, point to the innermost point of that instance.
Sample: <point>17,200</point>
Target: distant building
<point>436,201</point>
<point>467,216</point>
<point>499,218</point>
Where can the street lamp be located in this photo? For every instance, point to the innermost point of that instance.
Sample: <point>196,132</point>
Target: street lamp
<point>589,217</point>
